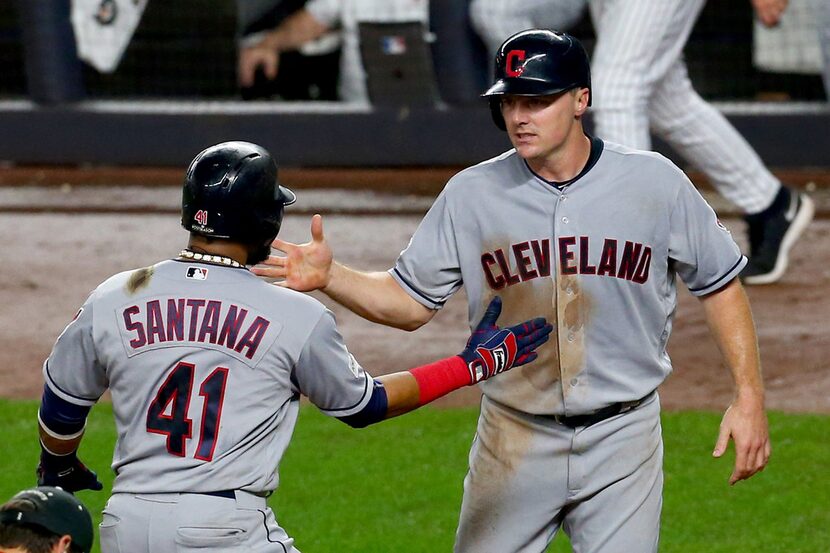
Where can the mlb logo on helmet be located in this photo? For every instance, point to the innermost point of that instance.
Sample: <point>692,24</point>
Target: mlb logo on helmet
<point>201,217</point>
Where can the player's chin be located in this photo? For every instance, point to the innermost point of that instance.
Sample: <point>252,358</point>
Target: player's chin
<point>526,150</point>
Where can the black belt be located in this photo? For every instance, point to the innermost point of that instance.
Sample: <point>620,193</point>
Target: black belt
<point>227,494</point>
<point>574,421</point>
<point>231,494</point>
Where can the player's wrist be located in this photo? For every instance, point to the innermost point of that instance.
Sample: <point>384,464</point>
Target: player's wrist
<point>331,276</point>
<point>440,378</point>
<point>55,462</point>
<point>750,396</point>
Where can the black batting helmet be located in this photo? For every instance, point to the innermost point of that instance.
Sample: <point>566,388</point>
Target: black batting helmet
<point>53,510</point>
<point>538,62</point>
<point>231,191</point>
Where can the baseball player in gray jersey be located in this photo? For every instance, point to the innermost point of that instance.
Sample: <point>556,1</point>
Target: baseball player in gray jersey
<point>641,83</point>
<point>206,364</point>
<point>593,235</point>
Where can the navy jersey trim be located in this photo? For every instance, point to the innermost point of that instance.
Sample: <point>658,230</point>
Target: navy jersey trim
<point>597,146</point>
<point>268,531</point>
<point>61,390</point>
<point>411,287</point>
<point>720,278</point>
<point>374,411</point>
<point>365,391</point>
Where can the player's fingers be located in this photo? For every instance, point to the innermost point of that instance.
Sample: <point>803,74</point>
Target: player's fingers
<point>761,458</point>
<point>317,228</point>
<point>274,261</point>
<point>269,272</point>
<point>539,336</point>
<point>270,65</point>
<point>525,359</point>
<point>744,462</point>
<point>248,63</point>
<point>283,246</point>
<point>722,442</point>
<point>491,314</point>
<point>528,326</point>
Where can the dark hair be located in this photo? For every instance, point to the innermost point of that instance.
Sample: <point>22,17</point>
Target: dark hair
<point>34,539</point>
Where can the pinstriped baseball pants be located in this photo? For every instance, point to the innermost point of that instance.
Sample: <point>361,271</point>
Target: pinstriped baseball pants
<point>640,82</point>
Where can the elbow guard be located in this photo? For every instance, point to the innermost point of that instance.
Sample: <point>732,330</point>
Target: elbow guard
<point>375,410</point>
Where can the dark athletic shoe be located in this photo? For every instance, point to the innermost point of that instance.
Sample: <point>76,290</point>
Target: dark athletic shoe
<point>773,232</point>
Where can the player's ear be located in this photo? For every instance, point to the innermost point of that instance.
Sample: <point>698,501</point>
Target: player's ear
<point>581,97</point>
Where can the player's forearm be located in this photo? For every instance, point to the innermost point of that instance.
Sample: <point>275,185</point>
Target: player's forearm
<point>402,393</point>
<point>296,30</point>
<point>376,297</point>
<point>730,321</point>
<point>58,445</point>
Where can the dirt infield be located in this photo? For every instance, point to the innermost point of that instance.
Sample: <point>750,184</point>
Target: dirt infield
<point>51,261</point>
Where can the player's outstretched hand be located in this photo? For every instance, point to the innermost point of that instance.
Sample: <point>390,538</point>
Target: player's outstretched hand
<point>304,267</point>
<point>67,472</point>
<point>746,424</point>
<point>492,350</point>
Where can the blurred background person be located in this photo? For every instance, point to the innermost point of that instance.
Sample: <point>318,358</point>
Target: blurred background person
<point>495,20</point>
<point>641,84</point>
<point>308,73</point>
<point>792,56</point>
<point>45,520</point>
<point>315,19</point>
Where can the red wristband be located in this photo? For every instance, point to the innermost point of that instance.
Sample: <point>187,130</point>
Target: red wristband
<point>440,378</point>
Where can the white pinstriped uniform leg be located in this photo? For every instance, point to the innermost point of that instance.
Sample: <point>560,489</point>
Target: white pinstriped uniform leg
<point>495,20</point>
<point>823,14</point>
<point>640,82</point>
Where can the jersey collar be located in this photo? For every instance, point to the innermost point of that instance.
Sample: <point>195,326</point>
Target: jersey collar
<point>597,146</point>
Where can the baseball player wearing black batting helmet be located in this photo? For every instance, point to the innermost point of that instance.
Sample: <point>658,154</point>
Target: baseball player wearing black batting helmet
<point>206,364</point>
<point>45,520</point>
<point>538,62</point>
<point>591,235</point>
<point>235,183</point>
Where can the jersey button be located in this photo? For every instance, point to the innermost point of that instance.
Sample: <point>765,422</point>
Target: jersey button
<point>570,337</point>
<point>574,381</point>
<point>570,291</point>
<point>565,220</point>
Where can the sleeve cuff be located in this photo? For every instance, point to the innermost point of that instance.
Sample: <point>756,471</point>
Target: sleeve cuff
<point>721,281</point>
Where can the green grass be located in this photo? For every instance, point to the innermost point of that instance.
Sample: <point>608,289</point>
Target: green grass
<point>396,487</point>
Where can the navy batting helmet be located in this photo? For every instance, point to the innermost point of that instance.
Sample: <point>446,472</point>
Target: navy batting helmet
<point>231,192</point>
<point>538,62</point>
<point>53,510</point>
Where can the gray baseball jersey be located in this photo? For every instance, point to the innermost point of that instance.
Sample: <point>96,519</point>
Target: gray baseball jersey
<point>205,364</point>
<point>598,257</point>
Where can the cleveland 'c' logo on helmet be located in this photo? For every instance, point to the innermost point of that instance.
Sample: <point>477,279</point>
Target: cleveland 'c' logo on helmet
<point>510,60</point>
<point>201,217</point>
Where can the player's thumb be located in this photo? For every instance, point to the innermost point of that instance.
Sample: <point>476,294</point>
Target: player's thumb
<point>317,228</point>
<point>722,443</point>
<point>492,313</point>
